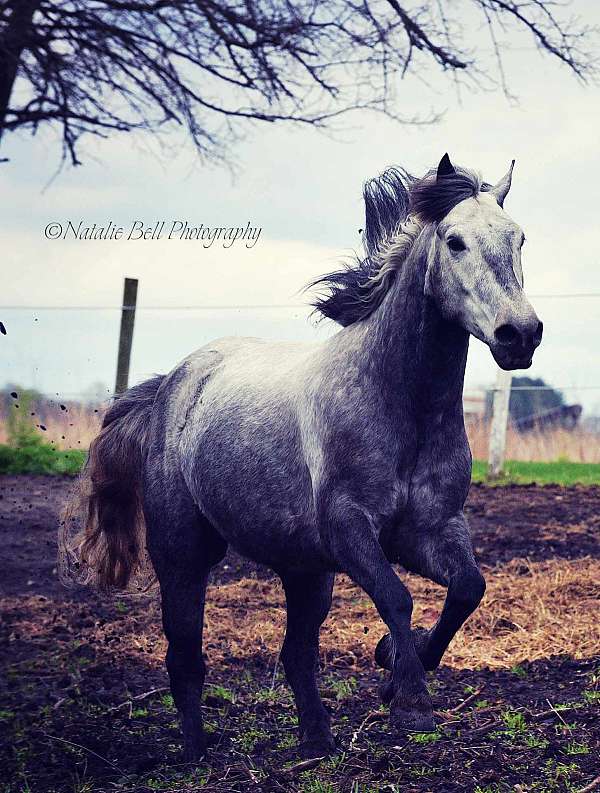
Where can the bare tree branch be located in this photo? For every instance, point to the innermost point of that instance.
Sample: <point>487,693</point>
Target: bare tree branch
<point>214,66</point>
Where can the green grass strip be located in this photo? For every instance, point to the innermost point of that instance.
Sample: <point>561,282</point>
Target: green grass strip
<point>561,472</point>
<point>43,458</point>
<point>40,458</point>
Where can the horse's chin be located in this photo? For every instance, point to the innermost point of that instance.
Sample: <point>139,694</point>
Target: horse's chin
<point>510,362</point>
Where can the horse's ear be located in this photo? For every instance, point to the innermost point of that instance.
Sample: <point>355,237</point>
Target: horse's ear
<point>500,190</point>
<point>445,168</point>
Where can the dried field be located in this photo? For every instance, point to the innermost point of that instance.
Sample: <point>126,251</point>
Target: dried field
<point>85,705</point>
<point>576,446</point>
<point>76,427</point>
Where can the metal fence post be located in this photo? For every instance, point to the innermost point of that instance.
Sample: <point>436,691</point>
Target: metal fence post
<point>499,423</point>
<point>126,334</point>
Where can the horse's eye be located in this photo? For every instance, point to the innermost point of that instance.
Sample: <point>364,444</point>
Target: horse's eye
<point>456,244</point>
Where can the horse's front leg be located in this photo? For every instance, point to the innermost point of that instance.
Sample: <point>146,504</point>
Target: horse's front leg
<point>446,557</point>
<point>353,543</point>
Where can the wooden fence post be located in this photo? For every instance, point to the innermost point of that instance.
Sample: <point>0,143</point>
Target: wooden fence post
<point>499,423</point>
<point>126,334</point>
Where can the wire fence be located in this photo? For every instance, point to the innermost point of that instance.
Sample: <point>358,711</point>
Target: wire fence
<point>298,306</point>
<point>246,306</point>
<point>575,442</point>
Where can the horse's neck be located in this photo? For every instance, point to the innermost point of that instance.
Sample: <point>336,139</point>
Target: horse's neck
<point>416,354</point>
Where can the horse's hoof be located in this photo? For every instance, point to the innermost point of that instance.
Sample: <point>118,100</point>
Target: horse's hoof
<point>317,746</point>
<point>412,710</point>
<point>412,720</point>
<point>194,750</point>
<point>383,652</point>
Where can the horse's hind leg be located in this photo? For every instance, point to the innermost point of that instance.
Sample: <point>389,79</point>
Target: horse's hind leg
<point>183,594</point>
<point>183,547</point>
<point>308,598</point>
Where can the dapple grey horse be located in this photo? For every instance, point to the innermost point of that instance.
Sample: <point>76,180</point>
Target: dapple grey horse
<point>345,455</point>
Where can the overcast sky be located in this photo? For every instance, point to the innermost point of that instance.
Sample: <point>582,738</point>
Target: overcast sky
<point>304,190</point>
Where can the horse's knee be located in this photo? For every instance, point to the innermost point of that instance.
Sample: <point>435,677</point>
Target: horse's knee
<point>289,654</point>
<point>397,611</point>
<point>469,588</point>
<point>404,601</point>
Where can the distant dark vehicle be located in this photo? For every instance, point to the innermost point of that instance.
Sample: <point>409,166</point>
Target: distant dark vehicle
<point>564,416</point>
<point>534,405</point>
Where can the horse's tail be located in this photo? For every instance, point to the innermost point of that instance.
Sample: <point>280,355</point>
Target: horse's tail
<point>102,530</point>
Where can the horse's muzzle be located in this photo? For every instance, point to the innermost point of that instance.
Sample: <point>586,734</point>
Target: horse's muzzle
<point>515,340</point>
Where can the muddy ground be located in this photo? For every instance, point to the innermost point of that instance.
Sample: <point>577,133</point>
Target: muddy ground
<point>85,705</point>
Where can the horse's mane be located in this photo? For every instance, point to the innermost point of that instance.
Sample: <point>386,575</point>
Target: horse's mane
<point>397,207</point>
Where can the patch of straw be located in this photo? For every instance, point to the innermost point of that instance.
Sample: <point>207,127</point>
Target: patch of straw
<point>542,445</point>
<point>530,611</point>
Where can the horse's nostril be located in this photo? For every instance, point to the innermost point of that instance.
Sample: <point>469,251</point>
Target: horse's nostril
<point>507,335</point>
<point>537,336</point>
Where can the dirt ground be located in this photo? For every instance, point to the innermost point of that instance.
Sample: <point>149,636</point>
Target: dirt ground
<point>85,705</point>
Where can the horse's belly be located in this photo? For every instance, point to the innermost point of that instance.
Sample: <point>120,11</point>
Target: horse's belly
<point>265,533</point>
<point>300,550</point>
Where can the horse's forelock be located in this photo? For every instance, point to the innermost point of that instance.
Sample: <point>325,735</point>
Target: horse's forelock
<point>431,198</point>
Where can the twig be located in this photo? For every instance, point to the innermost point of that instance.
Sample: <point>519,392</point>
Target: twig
<point>140,696</point>
<point>223,730</point>
<point>374,715</point>
<point>595,783</point>
<point>447,714</point>
<point>303,765</point>
<point>484,728</point>
<point>352,770</point>
<point>552,710</point>
<point>250,772</point>
<point>149,693</point>
<point>274,678</point>
<point>559,716</point>
<point>466,701</point>
<point>85,749</point>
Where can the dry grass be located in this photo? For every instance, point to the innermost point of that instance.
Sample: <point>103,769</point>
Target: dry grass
<point>577,446</point>
<point>530,611</point>
<point>74,428</point>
